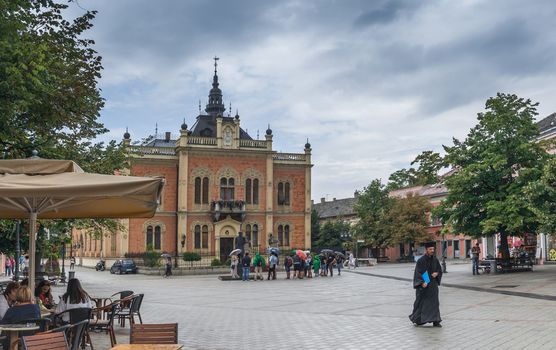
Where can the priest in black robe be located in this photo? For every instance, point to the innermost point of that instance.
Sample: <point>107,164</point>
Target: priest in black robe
<point>426,308</point>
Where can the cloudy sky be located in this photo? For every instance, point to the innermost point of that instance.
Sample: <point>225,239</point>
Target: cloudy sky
<point>370,83</point>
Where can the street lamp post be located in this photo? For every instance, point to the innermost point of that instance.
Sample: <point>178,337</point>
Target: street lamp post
<point>63,274</point>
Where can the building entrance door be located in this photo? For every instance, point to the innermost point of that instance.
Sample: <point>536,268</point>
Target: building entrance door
<point>226,247</point>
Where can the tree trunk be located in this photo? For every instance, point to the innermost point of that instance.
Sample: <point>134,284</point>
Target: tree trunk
<point>504,249</point>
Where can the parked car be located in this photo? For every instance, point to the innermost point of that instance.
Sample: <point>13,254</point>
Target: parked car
<point>123,266</point>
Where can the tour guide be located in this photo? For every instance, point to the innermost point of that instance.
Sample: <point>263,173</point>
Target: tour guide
<point>426,307</point>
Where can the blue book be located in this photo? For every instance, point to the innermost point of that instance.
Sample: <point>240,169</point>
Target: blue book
<point>426,277</point>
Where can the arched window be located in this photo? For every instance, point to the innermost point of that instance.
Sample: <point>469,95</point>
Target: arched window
<point>283,193</point>
<point>256,191</point>
<point>286,235</point>
<point>205,237</point>
<point>227,189</point>
<point>248,188</point>
<point>197,190</point>
<point>205,197</point>
<point>248,233</point>
<point>280,193</point>
<point>197,236</point>
<point>255,235</point>
<point>252,191</point>
<point>281,235</point>
<point>157,238</point>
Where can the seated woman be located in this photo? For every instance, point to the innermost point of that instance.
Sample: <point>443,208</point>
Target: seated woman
<point>44,293</point>
<point>24,308</point>
<point>74,298</point>
<point>7,299</point>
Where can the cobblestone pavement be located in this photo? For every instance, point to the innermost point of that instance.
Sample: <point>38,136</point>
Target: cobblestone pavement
<point>353,311</point>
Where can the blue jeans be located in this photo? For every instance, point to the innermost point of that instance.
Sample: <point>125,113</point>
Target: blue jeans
<point>475,265</point>
<point>245,274</point>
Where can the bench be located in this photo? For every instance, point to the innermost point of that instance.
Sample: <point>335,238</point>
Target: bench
<point>406,259</point>
<point>507,265</point>
<point>369,261</point>
<point>382,259</point>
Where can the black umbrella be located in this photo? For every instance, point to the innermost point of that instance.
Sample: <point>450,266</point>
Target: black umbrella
<point>340,254</point>
<point>327,251</point>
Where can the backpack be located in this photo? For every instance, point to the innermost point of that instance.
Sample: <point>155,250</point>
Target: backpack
<point>289,261</point>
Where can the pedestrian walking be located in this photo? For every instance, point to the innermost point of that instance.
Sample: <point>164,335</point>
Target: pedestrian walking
<point>426,280</point>
<point>246,265</point>
<point>233,267</point>
<point>12,263</point>
<point>331,261</point>
<point>475,252</point>
<point>339,264</point>
<point>288,263</point>
<point>72,262</point>
<point>272,263</point>
<point>8,267</point>
<point>351,261</point>
<point>258,262</point>
<point>168,271</point>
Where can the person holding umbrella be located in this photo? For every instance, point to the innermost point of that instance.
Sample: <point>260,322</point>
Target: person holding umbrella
<point>331,261</point>
<point>339,261</point>
<point>233,265</point>
<point>272,263</point>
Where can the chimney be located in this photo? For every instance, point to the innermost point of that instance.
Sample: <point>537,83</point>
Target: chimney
<point>355,194</point>
<point>333,199</point>
<point>167,136</point>
<point>322,200</point>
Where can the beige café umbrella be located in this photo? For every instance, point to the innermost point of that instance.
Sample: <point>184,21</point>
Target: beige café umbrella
<point>37,188</point>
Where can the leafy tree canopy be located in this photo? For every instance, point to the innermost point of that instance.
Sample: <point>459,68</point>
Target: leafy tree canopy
<point>429,164</point>
<point>372,207</point>
<point>408,219</point>
<point>494,165</point>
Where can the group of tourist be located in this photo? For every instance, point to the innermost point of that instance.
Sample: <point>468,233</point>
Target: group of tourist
<point>18,303</point>
<point>304,265</point>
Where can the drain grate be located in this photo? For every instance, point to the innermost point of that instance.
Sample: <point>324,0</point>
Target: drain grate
<point>507,286</point>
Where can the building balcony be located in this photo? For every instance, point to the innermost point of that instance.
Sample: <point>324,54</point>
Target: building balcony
<point>236,209</point>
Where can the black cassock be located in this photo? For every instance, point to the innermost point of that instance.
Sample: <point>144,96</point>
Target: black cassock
<point>426,307</point>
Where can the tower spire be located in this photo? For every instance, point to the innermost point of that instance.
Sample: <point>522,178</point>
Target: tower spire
<point>215,106</point>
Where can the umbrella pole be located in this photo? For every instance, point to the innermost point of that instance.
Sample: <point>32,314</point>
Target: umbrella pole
<point>32,249</point>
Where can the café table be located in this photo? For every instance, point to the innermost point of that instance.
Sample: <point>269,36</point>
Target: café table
<point>148,347</point>
<point>101,302</point>
<point>14,329</point>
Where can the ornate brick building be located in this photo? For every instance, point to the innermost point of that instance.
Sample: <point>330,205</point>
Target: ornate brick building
<point>219,182</point>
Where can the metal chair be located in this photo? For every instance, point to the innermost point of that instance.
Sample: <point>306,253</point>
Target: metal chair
<point>47,341</point>
<point>76,316</point>
<point>78,333</point>
<point>133,310</point>
<point>107,324</point>
<point>164,333</point>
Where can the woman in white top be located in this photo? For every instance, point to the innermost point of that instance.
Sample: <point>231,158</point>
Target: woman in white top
<point>74,298</point>
<point>7,299</point>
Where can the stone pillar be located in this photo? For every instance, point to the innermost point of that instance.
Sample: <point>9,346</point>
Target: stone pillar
<point>219,142</point>
<point>308,206</point>
<point>183,179</point>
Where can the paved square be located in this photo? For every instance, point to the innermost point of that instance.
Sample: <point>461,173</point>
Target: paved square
<point>353,311</point>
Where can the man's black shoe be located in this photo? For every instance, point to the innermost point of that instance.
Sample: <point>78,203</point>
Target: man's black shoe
<point>437,324</point>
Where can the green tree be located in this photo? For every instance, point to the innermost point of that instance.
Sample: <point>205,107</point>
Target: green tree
<point>48,78</point>
<point>541,195</point>
<point>429,164</point>
<point>372,207</point>
<point>407,219</point>
<point>331,234</point>
<point>315,227</point>
<point>494,165</point>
